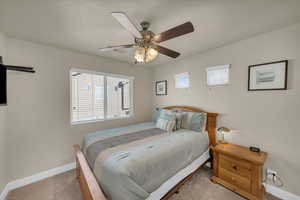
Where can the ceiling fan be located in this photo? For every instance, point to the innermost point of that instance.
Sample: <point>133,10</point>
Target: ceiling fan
<point>145,41</point>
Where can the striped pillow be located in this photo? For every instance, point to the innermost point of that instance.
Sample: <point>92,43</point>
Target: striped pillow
<point>164,113</point>
<point>179,120</point>
<point>166,124</point>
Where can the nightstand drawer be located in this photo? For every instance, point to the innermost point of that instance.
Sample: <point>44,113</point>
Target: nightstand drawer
<point>235,179</point>
<point>238,167</point>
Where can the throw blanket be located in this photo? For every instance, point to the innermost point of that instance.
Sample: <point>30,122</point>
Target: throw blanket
<point>132,162</point>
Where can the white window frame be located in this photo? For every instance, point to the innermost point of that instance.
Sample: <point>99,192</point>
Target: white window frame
<point>227,66</point>
<point>131,79</point>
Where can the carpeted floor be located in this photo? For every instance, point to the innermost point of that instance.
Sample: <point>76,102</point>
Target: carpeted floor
<point>65,187</point>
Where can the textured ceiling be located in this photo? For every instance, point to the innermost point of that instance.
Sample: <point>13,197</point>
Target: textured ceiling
<point>86,25</point>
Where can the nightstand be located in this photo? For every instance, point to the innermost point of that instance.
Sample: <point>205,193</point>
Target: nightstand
<point>239,169</point>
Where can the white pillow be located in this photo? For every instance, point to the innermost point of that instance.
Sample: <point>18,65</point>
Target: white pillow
<point>166,124</point>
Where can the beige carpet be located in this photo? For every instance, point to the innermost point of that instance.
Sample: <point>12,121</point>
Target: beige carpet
<point>65,187</point>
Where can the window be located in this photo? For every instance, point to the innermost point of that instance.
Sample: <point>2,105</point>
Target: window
<point>99,96</point>
<point>218,75</point>
<point>182,80</point>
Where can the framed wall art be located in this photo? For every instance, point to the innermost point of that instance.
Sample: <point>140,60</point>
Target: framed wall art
<point>268,76</point>
<point>161,88</point>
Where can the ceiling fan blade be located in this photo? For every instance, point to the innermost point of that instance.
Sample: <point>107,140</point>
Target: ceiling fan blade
<point>124,20</point>
<point>110,48</point>
<point>174,32</point>
<point>166,51</point>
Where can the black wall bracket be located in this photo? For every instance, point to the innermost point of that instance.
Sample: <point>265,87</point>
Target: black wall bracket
<point>17,68</point>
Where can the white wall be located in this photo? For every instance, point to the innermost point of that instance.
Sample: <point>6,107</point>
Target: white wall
<point>3,114</point>
<point>40,135</point>
<point>267,119</point>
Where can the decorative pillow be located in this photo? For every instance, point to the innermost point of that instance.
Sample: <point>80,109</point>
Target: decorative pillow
<point>167,114</point>
<point>157,113</point>
<point>162,112</point>
<point>194,121</point>
<point>179,117</point>
<point>166,124</point>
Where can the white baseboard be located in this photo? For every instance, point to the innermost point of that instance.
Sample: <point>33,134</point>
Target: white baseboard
<point>280,193</point>
<point>4,193</point>
<point>35,178</point>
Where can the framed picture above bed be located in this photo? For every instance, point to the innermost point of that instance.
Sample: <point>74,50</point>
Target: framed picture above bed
<point>268,76</point>
<point>161,88</point>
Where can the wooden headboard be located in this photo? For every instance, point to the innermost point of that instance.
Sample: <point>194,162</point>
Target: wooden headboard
<point>211,122</point>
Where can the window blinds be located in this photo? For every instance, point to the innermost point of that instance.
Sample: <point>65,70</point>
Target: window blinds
<point>100,97</point>
<point>218,75</point>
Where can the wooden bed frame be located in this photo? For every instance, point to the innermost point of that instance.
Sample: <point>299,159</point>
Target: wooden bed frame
<point>89,186</point>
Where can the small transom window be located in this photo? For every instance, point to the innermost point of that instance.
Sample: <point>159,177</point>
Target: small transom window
<point>218,75</point>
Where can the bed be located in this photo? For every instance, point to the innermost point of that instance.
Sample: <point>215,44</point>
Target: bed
<point>141,161</point>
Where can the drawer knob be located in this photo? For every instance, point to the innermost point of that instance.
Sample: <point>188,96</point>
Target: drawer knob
<point>234,167</point>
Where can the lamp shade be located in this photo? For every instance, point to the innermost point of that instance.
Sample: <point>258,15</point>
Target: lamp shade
<point>224,129</point>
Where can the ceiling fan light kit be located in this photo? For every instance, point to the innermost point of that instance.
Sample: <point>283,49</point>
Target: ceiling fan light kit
<point>146,41</point>
<point>145,54</point>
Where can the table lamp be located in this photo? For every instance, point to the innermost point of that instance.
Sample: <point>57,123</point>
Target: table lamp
<point>223,130</point>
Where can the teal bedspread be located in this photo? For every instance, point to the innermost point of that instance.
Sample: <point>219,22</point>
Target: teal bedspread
<point>133,169</point>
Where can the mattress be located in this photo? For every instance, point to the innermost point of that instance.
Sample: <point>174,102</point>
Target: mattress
<point>142,162</point>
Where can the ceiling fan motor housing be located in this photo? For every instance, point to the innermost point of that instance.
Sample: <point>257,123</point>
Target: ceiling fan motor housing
<point>146,40</point>
<point>145,25</point>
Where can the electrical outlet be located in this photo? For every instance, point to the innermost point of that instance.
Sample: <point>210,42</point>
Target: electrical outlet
<point>271,174</point>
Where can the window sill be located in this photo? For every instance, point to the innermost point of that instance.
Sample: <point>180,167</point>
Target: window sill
<point>99,120</point>
<point>216,85</point>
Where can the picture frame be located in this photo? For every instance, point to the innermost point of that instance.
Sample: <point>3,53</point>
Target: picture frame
<point>161,88</point>
<point>268,76</point>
